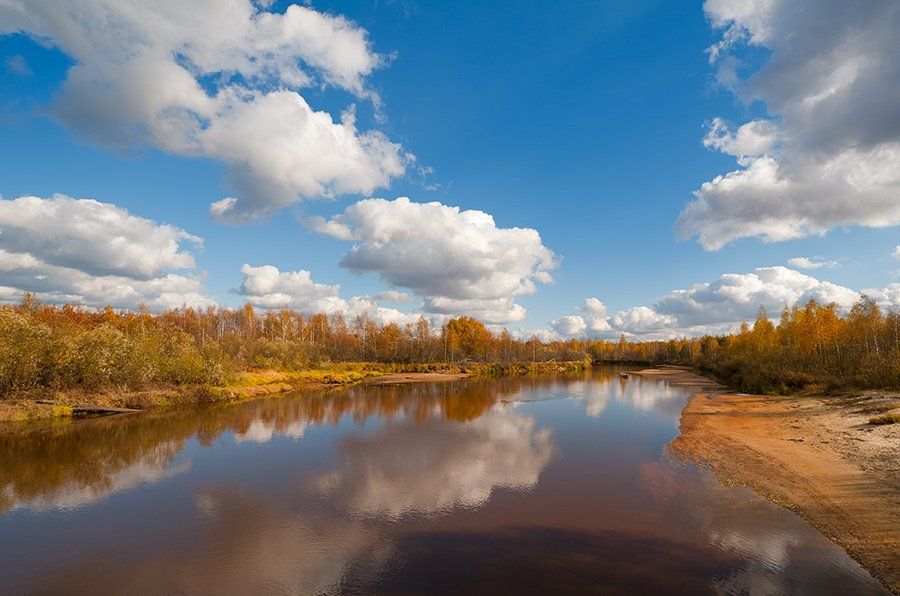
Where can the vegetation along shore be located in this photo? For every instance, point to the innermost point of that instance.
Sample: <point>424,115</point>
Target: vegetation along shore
<point>68,355</point>
<point>54,358</point>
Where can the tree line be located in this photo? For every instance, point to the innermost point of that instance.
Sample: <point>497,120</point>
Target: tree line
<point>812,345</point>
<point>60,347</point>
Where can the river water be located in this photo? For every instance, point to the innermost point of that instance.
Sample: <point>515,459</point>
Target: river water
<point>559,484</point>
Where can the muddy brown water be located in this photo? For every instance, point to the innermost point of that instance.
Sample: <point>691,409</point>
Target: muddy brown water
<point>559,484</point>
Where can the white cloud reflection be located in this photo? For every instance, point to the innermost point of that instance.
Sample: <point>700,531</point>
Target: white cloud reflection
<point>261,431</point>
<point>395,473</point>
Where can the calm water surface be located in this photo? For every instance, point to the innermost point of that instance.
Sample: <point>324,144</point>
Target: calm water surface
<point>532,485</point>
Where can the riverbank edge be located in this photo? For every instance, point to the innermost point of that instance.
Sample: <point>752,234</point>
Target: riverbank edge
<point>45,405</point>
<point>801,453</point>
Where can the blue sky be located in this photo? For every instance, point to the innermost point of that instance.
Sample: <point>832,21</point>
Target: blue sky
<point>582,120</point>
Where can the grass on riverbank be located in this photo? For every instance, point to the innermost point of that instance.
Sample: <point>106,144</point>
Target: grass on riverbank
<point>248,384</point>
<point>890,418</point>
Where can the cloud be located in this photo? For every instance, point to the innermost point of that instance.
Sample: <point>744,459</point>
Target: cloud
<point>888,297</point>
<point>495,311</point>
<point>594,320</point>
<point>571,325</point>
<point>458,261</point>
<point>896,253</point>
<point>754,138</point>
<point>813,263</point>
<point>281,148</point>
<point>99,238</point>
<point>17,64</point>
<point>329,227</point>
<point>269,288</point>
<point>641,319</point>
<point>544,335</point>
<point>595,316</point>
<point>93,253</point>
<point>716,307</point>
<point>828,153</point>
<point>219,79</point>
<point>734,298</point>
<point>391,296</point>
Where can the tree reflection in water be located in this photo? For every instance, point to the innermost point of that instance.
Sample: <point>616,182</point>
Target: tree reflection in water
<point>72,464</point>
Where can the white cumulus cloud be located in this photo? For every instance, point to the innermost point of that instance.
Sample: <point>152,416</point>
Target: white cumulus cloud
<point>391,296</point>
<point>93,253</point>
<point>541,334</point>
<point>813,263</point>
<point>720,305</point>
<point>571,325</point>
<point>99,238</point>
<point>755,138</point>
<point>459,262</point>
<point>888,297</point>
<point>828,152</point>
<point>218,79</point>
<point>641,319</point>
<point>267,287</point>
<point>593,321</point>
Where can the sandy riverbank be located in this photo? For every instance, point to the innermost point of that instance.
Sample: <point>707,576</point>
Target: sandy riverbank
<point>817,456</point>
<point>405,378</point>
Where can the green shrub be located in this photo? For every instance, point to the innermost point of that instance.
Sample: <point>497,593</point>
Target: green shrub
<point>25,350</point>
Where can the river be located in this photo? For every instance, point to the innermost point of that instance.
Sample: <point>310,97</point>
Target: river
<point>558,484</point>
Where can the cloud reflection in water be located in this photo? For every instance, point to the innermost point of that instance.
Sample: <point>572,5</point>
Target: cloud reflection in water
<point>437,466</point>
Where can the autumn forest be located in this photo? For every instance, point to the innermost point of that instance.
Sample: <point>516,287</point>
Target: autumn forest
<point>43,347</point>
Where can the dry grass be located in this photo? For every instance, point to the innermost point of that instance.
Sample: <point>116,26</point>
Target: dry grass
<point>244,385</point>
<point>26,411</point>
<point>890,418</point>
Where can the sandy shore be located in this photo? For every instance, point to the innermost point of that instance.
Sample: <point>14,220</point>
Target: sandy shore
<point>404,378</point>
<point>817,456</point>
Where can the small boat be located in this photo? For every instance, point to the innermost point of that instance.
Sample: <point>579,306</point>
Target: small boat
<point>623,375</point>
